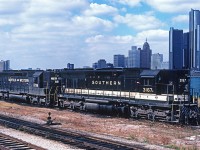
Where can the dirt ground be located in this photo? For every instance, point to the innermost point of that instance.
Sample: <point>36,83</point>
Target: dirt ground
<point>170,136</point>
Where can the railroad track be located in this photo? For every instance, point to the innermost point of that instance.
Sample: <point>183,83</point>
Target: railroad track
<point>67,137</point>
<point>10,143</point>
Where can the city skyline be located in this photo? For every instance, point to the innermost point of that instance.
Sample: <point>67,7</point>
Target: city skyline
<point>49,33</point>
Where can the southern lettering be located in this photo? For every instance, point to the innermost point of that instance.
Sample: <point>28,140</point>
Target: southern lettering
<point>106,82</point>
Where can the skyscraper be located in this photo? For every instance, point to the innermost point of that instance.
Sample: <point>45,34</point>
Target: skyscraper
<point>101,63</point>
<point>145,56</point>
<point>119,61</point>
<point>186,50</point>
<point>134,57</point>
<point>194,36</point>
<point>4,65</point>
<point>156,61</point>
<point>175,49</point>
<point>126,62</point>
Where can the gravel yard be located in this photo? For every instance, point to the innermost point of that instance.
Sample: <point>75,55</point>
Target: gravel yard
<point>36,140</point>
<point>146,132</point>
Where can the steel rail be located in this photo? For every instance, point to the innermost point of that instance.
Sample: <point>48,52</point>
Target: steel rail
<point>10,143</point>
<point>71,138</point>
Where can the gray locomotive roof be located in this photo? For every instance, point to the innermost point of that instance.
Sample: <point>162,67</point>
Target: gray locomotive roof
<point>37,74</point>
<point>149,73</point>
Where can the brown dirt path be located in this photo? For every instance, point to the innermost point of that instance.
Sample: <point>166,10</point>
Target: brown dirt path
<point>171,136</point>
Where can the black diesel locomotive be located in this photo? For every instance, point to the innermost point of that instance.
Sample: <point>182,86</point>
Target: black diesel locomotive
<point>153,94</point>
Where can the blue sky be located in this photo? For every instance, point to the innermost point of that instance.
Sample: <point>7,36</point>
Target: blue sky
<point>51,33</point>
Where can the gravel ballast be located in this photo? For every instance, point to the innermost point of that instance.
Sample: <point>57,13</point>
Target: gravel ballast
<point>155,135</point>
<point>35,140</point>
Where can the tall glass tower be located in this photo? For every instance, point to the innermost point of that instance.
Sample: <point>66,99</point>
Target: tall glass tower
<point>176,52</point>
<point>119,60</point>
<point>194,36</point>
<point>134,57</point>
<point>186,50</point>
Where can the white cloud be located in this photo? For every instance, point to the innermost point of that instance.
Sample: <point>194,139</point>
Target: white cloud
<point>139,22</point>
<point>36,7</point>
<point>152,35</point>
<point>100,9</point>
<point>100,45</point>
<point>105,46</point>
<point>131,3</point>
<point>56,41</point>
<point>158,40</point>
<point>50,33</point>
<point>44,30</point>
<point>4,21</point>
<point>181,19</point>
<point>110,39</point>
<point>53,8</point>
<point>171,6</point>
<point>90,23</point>
<point>12,6</point>
<point>95,39</point>
<point>123,9</point>
<point>50,16</point>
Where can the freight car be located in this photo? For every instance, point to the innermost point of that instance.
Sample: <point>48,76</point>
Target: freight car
<point>152,94</point>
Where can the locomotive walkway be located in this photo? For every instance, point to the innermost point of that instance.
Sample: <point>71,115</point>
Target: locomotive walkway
<point>67,137</point>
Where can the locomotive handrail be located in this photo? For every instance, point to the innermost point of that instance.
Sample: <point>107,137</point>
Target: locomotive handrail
<point>117,94</point>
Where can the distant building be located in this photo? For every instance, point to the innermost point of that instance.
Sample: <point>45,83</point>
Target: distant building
<point>86,67</point>
<point>126,62</point>
<point>109,65</point>
<point>134,57</point>
<point>70,66</point>
<point>165,65</point>
<point>1,65</point>
<point>119,61</point>
<point>145,56</point>
<point>186,54</point>
<point>194,39</point>
<point>156,61</point>
<point>101,63</point>
<point>175,49</point>
<point>7,65</point>
<point>4,65</point>
<point>94,65</point>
